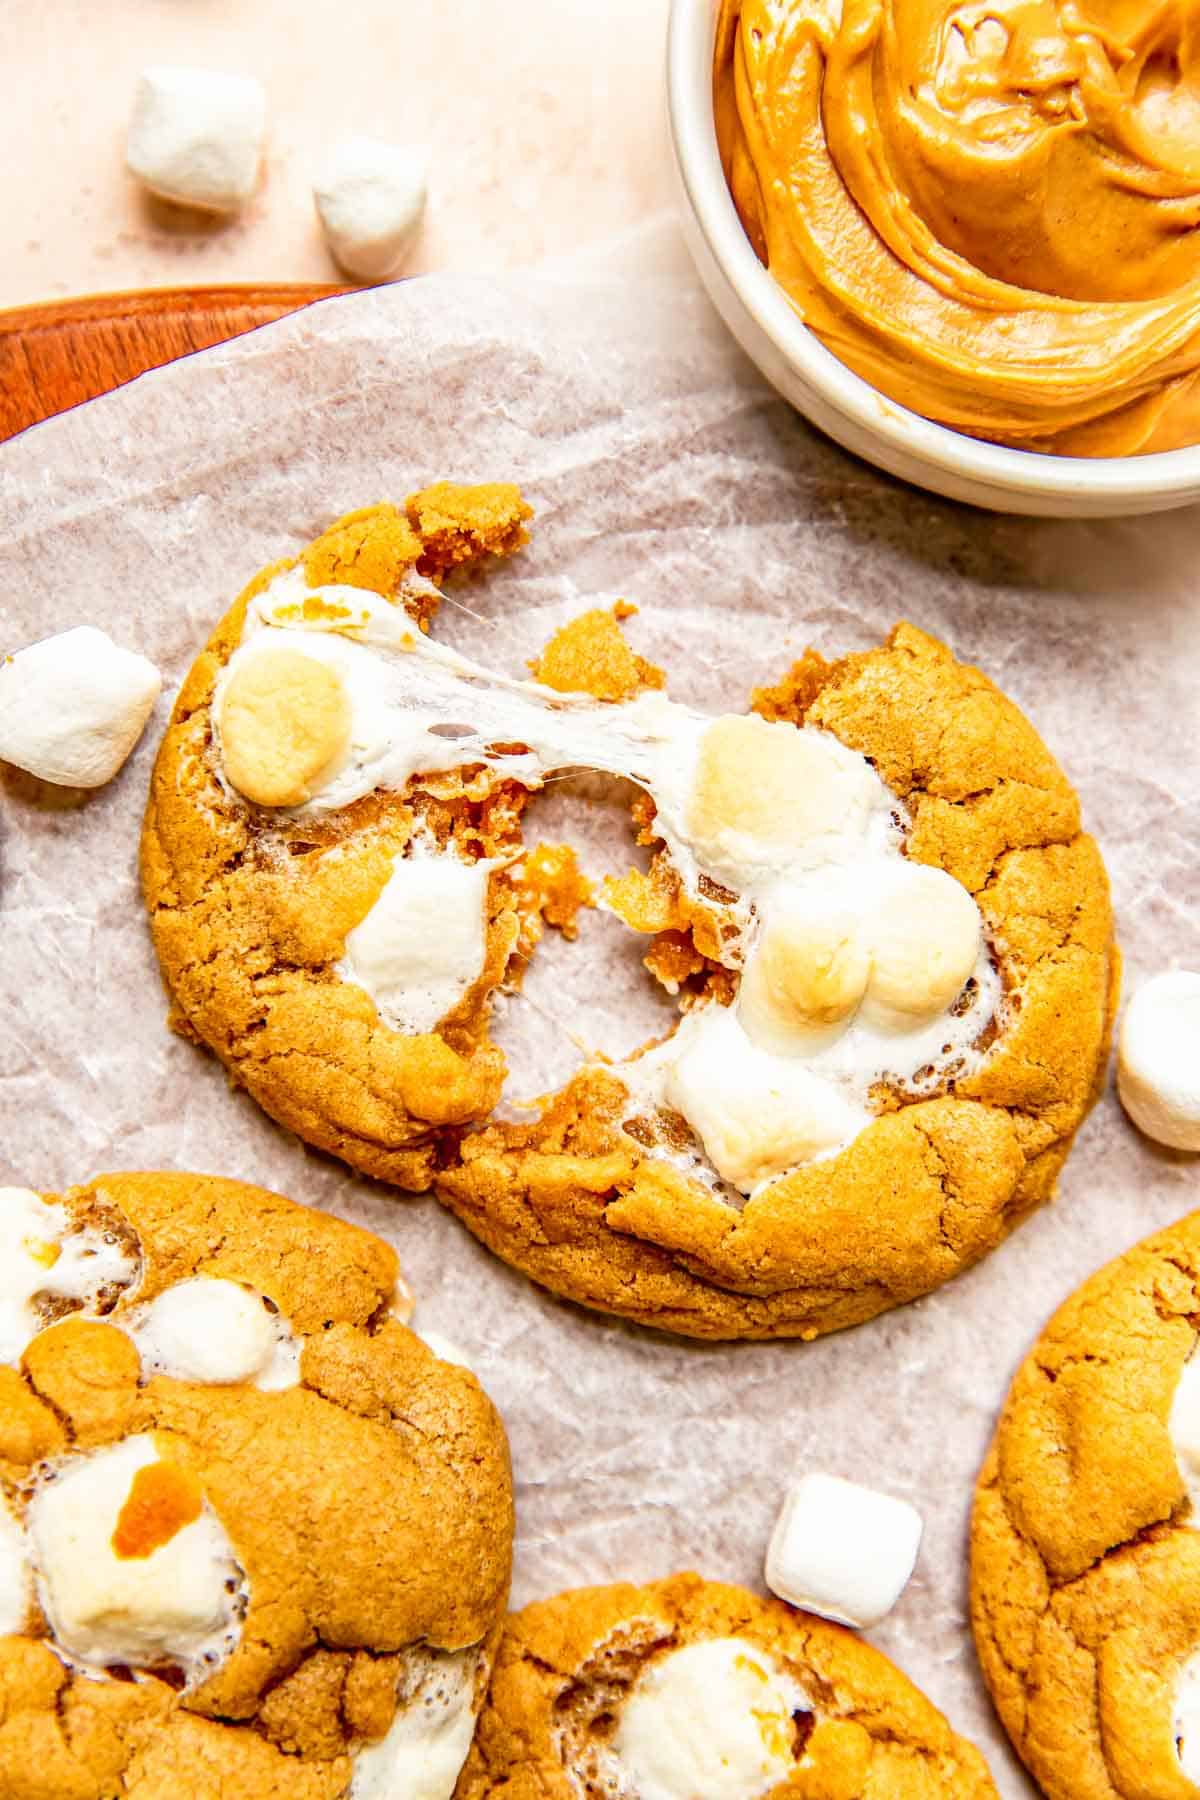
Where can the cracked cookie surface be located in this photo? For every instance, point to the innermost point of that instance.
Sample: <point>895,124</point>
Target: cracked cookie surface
<point>614,1197</point>
<point>1085,1553</point>
<point>360,1492</point>
<point>557,1721</point>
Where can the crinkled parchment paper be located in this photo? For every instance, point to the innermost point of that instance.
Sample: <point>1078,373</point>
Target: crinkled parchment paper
<point>662,469</point>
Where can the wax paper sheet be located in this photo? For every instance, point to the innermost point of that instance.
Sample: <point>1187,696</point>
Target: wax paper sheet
<point>664,470</point>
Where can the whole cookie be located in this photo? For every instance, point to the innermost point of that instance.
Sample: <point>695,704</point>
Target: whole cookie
<point>688,1687</point>
<point>1085,1553</point>
<point>255,1538</point>
<point>890,941</point>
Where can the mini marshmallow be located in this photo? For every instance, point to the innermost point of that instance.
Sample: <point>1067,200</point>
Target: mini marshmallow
<point>174,1602</point>
<point>844,1551</point>
<point>925,932</point>
<point>73,706</point>
<point>217,1333</point>
<point>285,720</point>
<point>768,799</point>
<point>807,975</point>
<point>756,1114</point>
<point>715,1718</point>
<point>422,944</point>
<point>369,198</point>
<point>426,1746</point>
<point>1158,1059</point>
<point>196,136</point>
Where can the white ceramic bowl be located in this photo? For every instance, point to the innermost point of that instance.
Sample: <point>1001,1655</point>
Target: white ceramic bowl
<point>831,395</point>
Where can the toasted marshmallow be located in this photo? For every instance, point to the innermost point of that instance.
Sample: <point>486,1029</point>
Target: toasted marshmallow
<point>1158,1059</point>
<point>768,797</point>
<point>714,1718</point>
<point>422,944</point>
<point>844,1551</point>
<point>196,136</point>
<point>757,1115</point>
<point>285,721</point>
<point>427,1743</point>
<point>16,1588</point>
<point>370,197</point>
<point>41,1255</point>
<point>73,706</point>
<point>113,1586</point>
<point>807,973</point>
<point>1187,1718</point>
<point>215,1332</point>
<point>925,935</point>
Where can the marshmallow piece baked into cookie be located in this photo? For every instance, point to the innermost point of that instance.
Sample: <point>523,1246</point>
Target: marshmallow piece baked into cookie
<point>1158,1059</point>
<point>285,721</point>
<point>73,706</point>
<point>1085,1539</point>
<point>133,1567</point>
<point>370,197</point>
<point>50,1262</point>
<point>807,973</point>
<point>687,1688</point>
<point>196,136</point>
<point>422,945</point>
<point>298,1579</point>
<point>925,936</point>
<point>842,1550</point>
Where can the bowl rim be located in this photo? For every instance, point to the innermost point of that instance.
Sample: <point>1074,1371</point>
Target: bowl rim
<point>691,37</point>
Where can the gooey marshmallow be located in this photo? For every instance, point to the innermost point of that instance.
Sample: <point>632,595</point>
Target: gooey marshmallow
<point>215,1332</point>
<point>843,1551</point>
<point>756,1114</point>
<point>73,706</point>
<point>196,136</point>
<point>370,197</point>
<point>1158,1059</point>
<point>40,1254</point>
<point>16,1588</point>
<point>426,1746</point>
<point>1184,1427</point>
<point>176,1604</point>
<point>422,944</point>
<point>713,1719</point>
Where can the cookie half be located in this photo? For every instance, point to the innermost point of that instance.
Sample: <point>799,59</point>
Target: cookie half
<point>890,941</point>
<point>255,1538</point>
<point>1085,1552</point>
<point>688,1687</point>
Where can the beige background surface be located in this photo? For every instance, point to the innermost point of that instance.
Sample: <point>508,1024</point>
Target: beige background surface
<point>546,124</point>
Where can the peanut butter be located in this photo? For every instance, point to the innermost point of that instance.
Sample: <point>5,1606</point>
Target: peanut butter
<point>988,210</point>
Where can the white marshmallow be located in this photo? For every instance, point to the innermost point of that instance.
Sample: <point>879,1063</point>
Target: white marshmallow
<point>39,1254</point>
<point>422,944</point>
<point>73,706</point>
<point>1184,1426</point>
<point>1158,1059</point>
<point>179,1604</point>
<point>196,136</point>
<point>756,1114</point>
<point>16,1589</point>
<point>1187,1718</point>
<point>445,1350</point>
<point>714,1718</point>
<point>844,1551</point>
<point>403,1303</point>
<point>215,1332</point>
<point>427,1743</point>
<point>369,198</point>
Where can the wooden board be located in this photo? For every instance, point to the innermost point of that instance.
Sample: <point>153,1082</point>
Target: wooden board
<point>56,355</point>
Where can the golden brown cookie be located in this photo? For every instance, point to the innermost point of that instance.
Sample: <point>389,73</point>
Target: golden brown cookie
<point>890,940</point>
<point>1085,1553</point>
<point>688,1687</point>
<point>255,1537</point>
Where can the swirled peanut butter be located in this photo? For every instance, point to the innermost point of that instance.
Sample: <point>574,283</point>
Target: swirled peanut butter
<point>990,210</point>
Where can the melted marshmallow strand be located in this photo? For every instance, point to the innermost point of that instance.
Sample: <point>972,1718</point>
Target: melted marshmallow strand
<point>858,966</point>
